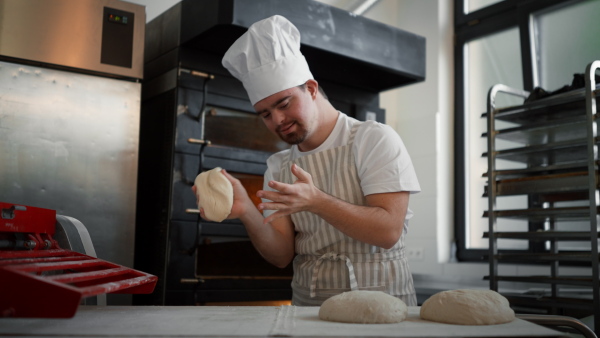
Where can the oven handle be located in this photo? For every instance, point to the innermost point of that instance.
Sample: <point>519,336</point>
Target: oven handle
<point>203,279</point>
<point>198,141</point>
<point>196,73</point>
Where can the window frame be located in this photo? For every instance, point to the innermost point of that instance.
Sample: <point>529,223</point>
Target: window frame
<point>468,27</point>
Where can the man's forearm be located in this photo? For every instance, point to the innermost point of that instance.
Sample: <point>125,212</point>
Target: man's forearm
<point>275,242</point>
<point>379,224</point>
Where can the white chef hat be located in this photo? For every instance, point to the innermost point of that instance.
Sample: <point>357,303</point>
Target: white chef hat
<point>267,58</point>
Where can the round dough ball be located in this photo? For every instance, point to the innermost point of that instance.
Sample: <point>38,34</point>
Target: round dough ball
<point>215,193</point>
<point>365,307</point>
<point>468,307</point>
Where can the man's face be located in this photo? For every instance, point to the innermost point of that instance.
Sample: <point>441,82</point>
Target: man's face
<point>288,114</point>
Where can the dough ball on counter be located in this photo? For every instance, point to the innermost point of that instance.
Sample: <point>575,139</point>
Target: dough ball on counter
<point>365,307</point>
<point>467,307</point>
<point>215,193</point>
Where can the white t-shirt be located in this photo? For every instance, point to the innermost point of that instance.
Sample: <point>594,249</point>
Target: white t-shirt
<point>382,161</point>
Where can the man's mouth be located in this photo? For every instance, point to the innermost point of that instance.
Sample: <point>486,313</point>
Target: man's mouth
<point>286,128</point>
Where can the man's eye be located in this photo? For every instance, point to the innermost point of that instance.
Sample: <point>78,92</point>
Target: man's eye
<point>284,105</point>
<point>265,115</point>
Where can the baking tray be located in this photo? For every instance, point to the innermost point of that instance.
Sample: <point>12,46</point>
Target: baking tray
<point>544,257</point>
<point>542,184</point>
<point>538,301</point>
<point>542,236</point>
<point>546,154</point>
<point>545,214</point>
<point>570,280</point>
<point>570,128</point>
<point>581,165</point>
<point>569,104</point>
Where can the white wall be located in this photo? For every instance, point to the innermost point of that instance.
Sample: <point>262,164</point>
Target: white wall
<point>422,114</point>
<point>154,7</point>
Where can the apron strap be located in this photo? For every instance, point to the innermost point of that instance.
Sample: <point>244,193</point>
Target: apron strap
<point>332,256</point>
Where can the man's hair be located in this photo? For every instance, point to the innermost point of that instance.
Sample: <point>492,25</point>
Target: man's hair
<point>303,87</point>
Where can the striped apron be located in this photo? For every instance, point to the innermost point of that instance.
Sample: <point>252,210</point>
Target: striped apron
<point>329,262</point>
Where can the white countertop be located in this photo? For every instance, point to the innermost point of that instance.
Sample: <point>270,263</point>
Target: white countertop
<point>244,321</point>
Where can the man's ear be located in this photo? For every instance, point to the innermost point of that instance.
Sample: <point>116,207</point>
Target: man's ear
<point>313,88</point>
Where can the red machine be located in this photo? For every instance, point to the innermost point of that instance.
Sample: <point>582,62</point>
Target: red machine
<point>39,279</point>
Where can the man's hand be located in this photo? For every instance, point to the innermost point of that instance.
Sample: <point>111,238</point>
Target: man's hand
<point>379,222</point>
<point>241,200</point>
<point>290,198</point>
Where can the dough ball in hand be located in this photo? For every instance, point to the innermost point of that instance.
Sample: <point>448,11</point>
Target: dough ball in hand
<point>364,307</point>
<point>215,194</point>
<point>468,307</point>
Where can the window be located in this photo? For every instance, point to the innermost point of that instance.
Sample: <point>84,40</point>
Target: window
<point>558,55</point>
<point>473,5</point>
<point>489,60</point>
<point>522,44</point>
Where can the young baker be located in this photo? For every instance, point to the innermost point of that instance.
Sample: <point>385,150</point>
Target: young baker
<point>336,203</point>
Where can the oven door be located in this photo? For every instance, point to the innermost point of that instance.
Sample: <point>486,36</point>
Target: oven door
<point>216,261</point>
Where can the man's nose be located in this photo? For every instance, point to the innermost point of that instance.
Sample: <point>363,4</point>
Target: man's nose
<point>278,117</point>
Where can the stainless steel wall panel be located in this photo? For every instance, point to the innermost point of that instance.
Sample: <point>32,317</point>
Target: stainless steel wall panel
<point>69,142</point>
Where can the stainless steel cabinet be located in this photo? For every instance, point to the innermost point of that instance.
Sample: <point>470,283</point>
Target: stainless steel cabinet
<point>552,162</point>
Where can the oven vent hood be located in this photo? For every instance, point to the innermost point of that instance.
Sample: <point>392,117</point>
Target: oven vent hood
<point>339,46</point>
